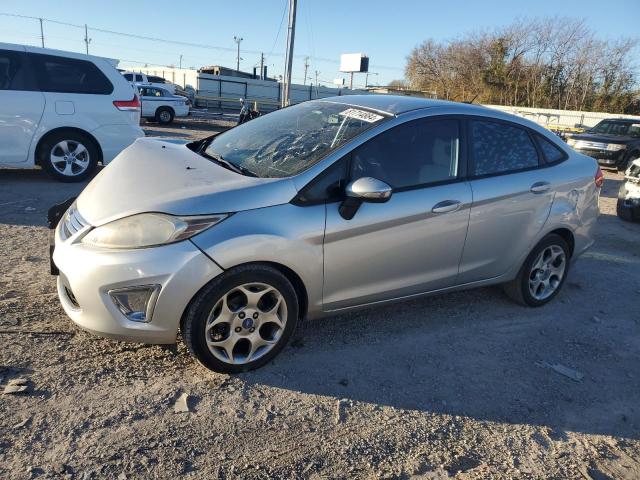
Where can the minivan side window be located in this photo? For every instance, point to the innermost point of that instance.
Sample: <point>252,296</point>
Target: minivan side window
<point>551,153</point>
<point>415,153</point>
<point>13,72</point>
<point>129,76</point>
<point>497,147</point>
<point>69,75</point>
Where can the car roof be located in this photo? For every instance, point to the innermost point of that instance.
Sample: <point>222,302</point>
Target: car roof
<point>397,104</point>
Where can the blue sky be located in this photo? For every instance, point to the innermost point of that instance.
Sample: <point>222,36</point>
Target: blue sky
<point>385,30</point>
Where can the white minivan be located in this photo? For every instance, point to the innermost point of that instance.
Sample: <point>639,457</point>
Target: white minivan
<point>63,111</point>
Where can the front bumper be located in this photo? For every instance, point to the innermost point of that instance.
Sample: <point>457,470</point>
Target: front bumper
<point>605,158</point>
<point>629,201</point>
<point>88,274</point>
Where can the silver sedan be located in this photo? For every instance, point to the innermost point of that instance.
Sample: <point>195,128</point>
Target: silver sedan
<point>315,209</point>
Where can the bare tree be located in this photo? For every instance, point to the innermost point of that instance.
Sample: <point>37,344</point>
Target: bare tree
<point>552,63</point>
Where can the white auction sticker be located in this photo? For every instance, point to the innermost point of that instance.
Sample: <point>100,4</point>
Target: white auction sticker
<point>363,115</point>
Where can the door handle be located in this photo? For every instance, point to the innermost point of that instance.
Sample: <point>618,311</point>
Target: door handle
<point>540,187</point>
<point>446,206</point>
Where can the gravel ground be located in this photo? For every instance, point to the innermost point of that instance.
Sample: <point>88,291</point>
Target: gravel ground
<point>455,386</point>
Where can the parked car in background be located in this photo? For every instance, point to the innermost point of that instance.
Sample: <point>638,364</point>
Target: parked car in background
<point>64,111</point>
<point>140,79</point>
<point>615,143</point>
<point>628,207</point>
<point>160,105</point>
<point>316,209</point>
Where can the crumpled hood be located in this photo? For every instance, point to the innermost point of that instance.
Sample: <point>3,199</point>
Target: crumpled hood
<point>157,176</point>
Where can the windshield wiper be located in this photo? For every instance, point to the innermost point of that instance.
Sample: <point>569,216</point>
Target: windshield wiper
<point>228,165</point>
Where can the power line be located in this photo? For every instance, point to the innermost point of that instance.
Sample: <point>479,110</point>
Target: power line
<point>284,11</point>
<point>189,44</point>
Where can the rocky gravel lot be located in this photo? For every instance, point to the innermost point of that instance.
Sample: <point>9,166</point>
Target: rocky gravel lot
<point>466,385</point>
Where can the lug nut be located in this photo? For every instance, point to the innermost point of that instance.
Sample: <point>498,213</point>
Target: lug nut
<point>252,329</point>
<point>238,329</point>
<point>241,314</point>
<point>255,315</point>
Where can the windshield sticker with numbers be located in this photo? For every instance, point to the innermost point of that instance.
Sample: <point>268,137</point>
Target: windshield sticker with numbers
<point>363,115</point>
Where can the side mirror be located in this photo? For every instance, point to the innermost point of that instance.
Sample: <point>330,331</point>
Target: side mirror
<point>364,189</point>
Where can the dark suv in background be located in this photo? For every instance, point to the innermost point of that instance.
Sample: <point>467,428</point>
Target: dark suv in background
<point>614,143</point>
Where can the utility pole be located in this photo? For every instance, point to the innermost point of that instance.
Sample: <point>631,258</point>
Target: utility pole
<point>306,66</point>
<point>238,40</point>
<point>87,40</point>
<point>262,66</point>
<point>181,62</point>
<point>41,33</point>
<point>291,32</point>
<point>317,72</point>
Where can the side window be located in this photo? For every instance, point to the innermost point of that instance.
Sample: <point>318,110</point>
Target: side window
<point>551,153</point>
<point>13,72</point>
<point>138,78</point>
<point>327,187</point>
<point>69,75</point>
<point>129,76</point>
<point>144,92</point>
<point>415,153</point>
<point>497,148</point>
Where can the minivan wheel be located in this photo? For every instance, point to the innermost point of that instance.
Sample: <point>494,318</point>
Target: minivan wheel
<point>241,319</point>
<point>164,116</point>
<point>68,156</point>
<point>543,273</point>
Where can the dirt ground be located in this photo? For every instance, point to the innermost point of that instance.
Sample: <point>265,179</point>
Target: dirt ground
<point>455,386</point>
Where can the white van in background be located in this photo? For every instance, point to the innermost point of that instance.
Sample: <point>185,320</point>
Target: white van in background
<point>140,79</point>
<point>64,111</point>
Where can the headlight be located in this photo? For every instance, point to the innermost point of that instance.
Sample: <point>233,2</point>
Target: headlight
<point>571,142</point>
<point>615,147</point>
<point>148,229</point>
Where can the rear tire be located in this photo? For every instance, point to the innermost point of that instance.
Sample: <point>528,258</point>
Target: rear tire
<point>542,274</point>
<point>68,155</point>
<point>241,319</point>
<point>164,116</point>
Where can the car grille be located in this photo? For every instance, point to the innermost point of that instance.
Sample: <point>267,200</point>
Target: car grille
<point>72,222</point>
<point>583,144</point>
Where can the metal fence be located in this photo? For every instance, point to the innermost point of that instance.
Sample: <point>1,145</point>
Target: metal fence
<point>561,120</point>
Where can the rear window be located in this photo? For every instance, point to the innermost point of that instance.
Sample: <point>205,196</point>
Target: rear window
<point>69,75</point>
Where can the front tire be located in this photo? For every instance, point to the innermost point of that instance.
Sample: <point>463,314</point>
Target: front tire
<point>542,274</point>
<point>68,155</point>
<point>241,319</point>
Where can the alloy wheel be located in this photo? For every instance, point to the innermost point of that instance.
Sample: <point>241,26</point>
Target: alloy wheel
<point>547,272</point>
<point>246,323</point>
<point>70,158</point>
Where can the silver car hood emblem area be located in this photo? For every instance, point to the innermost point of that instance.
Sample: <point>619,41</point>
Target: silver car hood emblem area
<point>156,176</point>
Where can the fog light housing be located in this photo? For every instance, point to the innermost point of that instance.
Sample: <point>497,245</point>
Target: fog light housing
<point>136,303</point>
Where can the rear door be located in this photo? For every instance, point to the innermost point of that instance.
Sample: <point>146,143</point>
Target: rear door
<point>21,107</point>
<point>512,197</point>
<point>77,92</point>
<point>413,242</point>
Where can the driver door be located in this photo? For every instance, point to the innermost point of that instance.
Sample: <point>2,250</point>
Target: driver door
<point>413,242</point>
